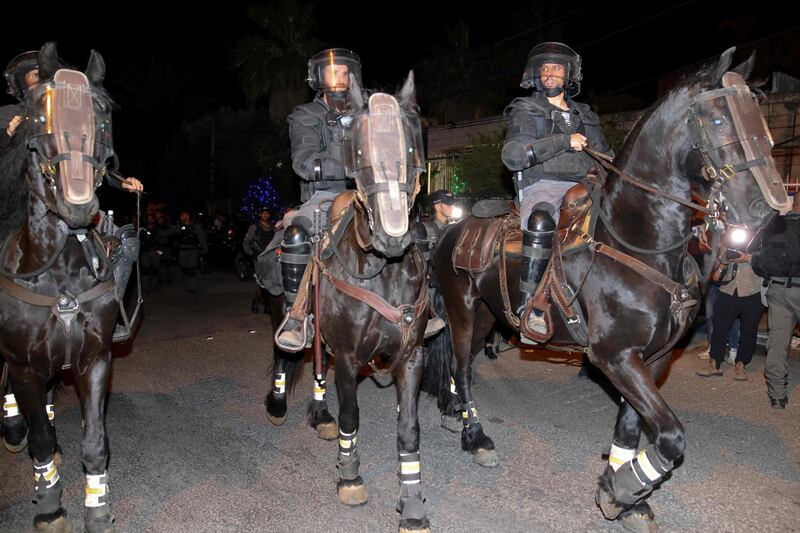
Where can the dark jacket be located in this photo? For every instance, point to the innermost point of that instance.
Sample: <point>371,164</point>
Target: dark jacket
<point>544,131</point>
<point>316,134</point>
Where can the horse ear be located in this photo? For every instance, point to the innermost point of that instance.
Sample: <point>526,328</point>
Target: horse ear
<point>356,95</point>
<point>746,68</point>
<point>722,66</point>
<point>48,60</point>
<point>96,68</point>
<point>408,93</point>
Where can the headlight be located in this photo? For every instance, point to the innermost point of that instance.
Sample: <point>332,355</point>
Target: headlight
<point>457,213</point>
<point>739,236</point>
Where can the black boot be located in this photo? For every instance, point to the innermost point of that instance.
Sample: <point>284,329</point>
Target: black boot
<point>537,246</point>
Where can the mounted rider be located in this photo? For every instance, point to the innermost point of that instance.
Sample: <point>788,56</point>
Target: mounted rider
<point>316,132</point>
<point>546,134</point>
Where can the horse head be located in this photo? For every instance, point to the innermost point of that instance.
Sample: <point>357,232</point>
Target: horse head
<point>68,134</point>
<point>734,143</point>
<point>383,152</point>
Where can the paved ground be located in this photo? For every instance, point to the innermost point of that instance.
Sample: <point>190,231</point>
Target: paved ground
<point>191,449</point>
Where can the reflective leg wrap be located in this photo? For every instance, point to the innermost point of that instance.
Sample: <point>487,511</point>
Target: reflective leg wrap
<point>470,416</point>
<point>279,386</point>
<point>47,484</point>
<point>347,460</point>
<point>618,456</point>
<point>51,414</point>
<point>96,490</point>
<point>411,503</point>
<point>319,388</point>
<point>635,479</point>
<point>10,407</point>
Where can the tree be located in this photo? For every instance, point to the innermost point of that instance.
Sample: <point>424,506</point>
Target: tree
<point>481,169</point>
<point>271,65</point>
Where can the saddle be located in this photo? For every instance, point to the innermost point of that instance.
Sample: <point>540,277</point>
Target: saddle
<point>484,238</point>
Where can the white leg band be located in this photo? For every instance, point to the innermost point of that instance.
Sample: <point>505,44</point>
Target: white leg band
<point>619,456</point>
<point>319,389</point>
<point>51,414</point>
<point>10,406</point>
<point>48,472</point>
<point>647,468</point>
<point>96,490</point>
<point>280,383</point>
<point>452,386</point>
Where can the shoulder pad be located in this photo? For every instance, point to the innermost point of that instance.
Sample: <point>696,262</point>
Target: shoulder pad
<point>527,104</point>
<point>309,114</point>
<point>587,115</point>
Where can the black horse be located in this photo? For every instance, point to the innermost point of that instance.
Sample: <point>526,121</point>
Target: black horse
<point>58,303</point>
<point>373,294</point>
<point>629,319</point>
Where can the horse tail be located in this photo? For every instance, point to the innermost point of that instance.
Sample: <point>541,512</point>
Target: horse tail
<point>436,373</point>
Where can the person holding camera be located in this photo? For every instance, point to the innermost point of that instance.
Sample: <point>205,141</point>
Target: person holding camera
<point>739,297</point>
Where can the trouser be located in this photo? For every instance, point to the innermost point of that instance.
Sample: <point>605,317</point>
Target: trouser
<point>726,309</point>
<point>548,191</point>
<point>784,312</point>
<point>711,298</point>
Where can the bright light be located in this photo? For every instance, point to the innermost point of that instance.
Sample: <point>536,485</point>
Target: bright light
<point>738,236</point>
<point>457,213</point>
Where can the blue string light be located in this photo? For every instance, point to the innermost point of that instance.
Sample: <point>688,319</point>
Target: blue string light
<point>260,193</point>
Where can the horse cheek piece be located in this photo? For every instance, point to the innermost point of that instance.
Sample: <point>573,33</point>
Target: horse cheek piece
<point>50,286</point>
<point>628,269</point>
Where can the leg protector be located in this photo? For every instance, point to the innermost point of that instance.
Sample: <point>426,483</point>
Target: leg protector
<point>347,461</point>
<point>635,479</point>
<point>295,253</point>
<point>537,246</point>
<point>47,484</point>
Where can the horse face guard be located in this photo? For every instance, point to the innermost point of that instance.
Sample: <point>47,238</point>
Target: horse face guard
<point>725,125</point>
<point>70,140</point>
<point>383,153</point>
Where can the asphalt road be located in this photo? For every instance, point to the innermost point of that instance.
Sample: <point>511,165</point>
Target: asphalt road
<point>191,449</point>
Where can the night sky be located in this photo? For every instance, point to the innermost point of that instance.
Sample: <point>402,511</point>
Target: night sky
<point>626,48</point>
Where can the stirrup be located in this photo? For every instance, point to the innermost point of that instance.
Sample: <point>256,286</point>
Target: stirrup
<point>305,339</point>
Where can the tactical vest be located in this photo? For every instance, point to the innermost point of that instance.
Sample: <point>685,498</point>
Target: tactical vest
<point>188,237</point>
<point>262,236</point>
<point>780,249</point>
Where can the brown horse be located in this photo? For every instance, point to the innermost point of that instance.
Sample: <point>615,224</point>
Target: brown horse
<point>630,321</point>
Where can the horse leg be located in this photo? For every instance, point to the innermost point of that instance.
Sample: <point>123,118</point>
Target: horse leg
<point>639,517</point>
<point>350,486</point>
<point>411,504</point>
<point>276,397</point>
<point>15,430</point>
<point>92,388</point>
<point>473,439</point>
<point>319,417</point>
<point>31,393</point>
<point>633,480</point>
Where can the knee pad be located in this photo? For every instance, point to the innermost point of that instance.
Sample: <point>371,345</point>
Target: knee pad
<point>541,227</point>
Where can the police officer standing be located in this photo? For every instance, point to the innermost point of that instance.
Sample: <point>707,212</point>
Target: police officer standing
<point>259,234</point>
<point>191,245</point>
<point>777,259</point>
<point>544,144</point>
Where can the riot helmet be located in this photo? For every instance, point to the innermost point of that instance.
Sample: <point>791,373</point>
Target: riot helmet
<point>548,54</point>
<point>17,70</point>
<point>329,71</point>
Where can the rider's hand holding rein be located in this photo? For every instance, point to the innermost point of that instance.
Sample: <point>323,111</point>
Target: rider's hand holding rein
<point>577,142</point>
<point>132,184</point>
<point>13,124</point>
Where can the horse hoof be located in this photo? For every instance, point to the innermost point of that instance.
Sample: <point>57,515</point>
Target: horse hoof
<point>100,526</point>
<point>352,493</point>
<point>639,519</point>
<point>409,528</point>
<point>57,525</point>
<point>452,424</point>
<point>328,431</point>
<point>605,501</point>
<point>16,448</point>
<point>276,420</point>
<point>485,457</point>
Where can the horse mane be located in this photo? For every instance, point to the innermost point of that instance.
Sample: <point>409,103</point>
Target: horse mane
<point>14,186</point>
